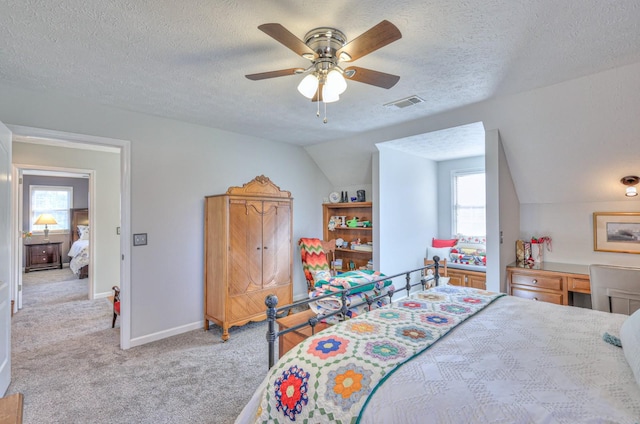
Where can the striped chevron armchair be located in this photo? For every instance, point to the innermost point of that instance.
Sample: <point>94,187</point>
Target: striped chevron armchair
<point>313,253</point>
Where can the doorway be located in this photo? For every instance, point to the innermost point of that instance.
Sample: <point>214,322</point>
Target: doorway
<point>58,147</point>
<point>73,187</point>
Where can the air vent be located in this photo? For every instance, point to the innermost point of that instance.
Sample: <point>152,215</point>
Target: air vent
<point>402,103</point>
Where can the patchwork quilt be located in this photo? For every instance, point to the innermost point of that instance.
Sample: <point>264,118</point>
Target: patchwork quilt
<point>361,290</point>
<point>330,377</point>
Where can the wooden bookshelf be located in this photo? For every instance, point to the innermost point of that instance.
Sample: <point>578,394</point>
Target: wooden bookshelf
<point>362,210</point>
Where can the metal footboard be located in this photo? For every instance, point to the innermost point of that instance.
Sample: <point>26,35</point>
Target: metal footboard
<point>274,312</point>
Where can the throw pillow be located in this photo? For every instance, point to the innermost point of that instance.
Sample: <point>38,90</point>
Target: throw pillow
<point>83,232</point>
<point>442,252</point>
<point>630,338</point>
<point>443,243</point>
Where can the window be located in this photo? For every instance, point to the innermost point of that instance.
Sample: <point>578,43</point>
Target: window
<point>469,211</point>
<point>55,200</point>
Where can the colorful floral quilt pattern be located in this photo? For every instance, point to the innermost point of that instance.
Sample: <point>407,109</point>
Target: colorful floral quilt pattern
<point>329,377</point>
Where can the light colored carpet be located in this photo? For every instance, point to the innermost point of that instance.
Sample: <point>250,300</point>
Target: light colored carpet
<point>68,364</point>
<point>48,276</point>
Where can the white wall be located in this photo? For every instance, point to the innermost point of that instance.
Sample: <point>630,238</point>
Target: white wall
<point>173,166</point>
<point>106,260</point>
<point>567,144</point>
<point>503,213</point>
<point>570,225</point>
<point>353,189</point>
<point>445,194</point>
<point>407,208</point>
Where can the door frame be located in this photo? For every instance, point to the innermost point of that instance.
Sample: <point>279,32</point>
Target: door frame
<point>66,139</point>
<point>17,170</point>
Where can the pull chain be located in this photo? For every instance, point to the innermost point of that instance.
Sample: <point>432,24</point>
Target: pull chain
<point>325,113</point>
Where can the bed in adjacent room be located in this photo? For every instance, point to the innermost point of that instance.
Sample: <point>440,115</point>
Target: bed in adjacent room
<point>79,250</point>
<point>455,354</point>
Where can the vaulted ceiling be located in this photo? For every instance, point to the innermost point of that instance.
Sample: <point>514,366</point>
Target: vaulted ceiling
<point>187,60</point>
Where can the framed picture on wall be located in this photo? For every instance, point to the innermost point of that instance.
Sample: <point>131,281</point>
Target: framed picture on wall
<point>616,232</point>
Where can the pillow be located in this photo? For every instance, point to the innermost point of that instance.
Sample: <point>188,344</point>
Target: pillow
<point>443,243</point>
<point>472,239</point>
<point>441,252</point>
<point>630,338</point>
<point>83,232</point>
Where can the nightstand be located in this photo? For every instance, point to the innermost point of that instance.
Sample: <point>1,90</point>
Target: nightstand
<point>39,256</point>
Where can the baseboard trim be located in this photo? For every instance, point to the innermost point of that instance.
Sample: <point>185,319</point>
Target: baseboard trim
<point>139,341</point>
<point>101,295</point>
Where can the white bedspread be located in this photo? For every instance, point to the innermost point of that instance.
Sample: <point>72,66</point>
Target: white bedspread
<point>518,361</point>
<point>79,252</point>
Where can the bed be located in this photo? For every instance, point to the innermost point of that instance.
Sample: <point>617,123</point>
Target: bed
<point>506,359</point>
<point>79,250</point>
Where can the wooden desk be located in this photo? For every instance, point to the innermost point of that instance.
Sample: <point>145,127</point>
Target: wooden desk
<point>548,281</point>
<point>11,409</point>
<point>287,341</point>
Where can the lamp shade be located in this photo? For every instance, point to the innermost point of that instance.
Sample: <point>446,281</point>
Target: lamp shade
<point>329,95</point>
<point>336,81</point>
<point>308,86</point>
<point>45,219</point>
<point>631,192</point>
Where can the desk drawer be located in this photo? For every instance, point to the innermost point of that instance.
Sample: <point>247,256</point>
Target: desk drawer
<point>543,282</point>
<point>537,295</point>
<point>581,285</point>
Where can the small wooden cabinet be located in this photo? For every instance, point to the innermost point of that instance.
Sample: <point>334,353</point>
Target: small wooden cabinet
<point>287,341</point>
<point>466,278</point>
<point>361,210</point>
<point>461,277</point>
<point>43,256</point>
<point>247,252</point>
<point>548,282</point>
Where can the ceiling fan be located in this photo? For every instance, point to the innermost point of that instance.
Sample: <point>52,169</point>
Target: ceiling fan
<point>325,47</point>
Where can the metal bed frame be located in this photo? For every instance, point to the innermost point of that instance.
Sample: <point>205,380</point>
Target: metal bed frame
<point>274,312</point>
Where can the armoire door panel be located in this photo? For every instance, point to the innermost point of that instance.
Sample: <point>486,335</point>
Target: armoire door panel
<point>276,234</point>
<point>245,270</point>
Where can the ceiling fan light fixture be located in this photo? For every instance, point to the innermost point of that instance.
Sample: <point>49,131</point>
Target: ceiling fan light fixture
<point>325,47</point>
<point>308,86</point>
<point>329,95</point>
<point>336,81</point>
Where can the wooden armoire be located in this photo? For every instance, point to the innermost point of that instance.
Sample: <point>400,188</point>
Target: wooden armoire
<point>247,252</point>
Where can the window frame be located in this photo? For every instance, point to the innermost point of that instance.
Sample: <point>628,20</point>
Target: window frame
<point>40,187</point>
<point>454,200</point>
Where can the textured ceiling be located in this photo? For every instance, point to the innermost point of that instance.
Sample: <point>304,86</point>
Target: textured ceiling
<point>187,59</point>
<point>451,143</point>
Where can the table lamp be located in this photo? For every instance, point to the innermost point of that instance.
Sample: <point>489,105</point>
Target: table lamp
<point>45,219</point>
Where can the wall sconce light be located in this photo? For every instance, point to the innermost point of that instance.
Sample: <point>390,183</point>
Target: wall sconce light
<point>630,181</point>
<point>46,219</point>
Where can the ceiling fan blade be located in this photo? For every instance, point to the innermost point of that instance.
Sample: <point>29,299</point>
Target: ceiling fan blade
<point>368,76</point>
<point>284,36</point>
<point>273,74</point>
<point>379,36</point>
